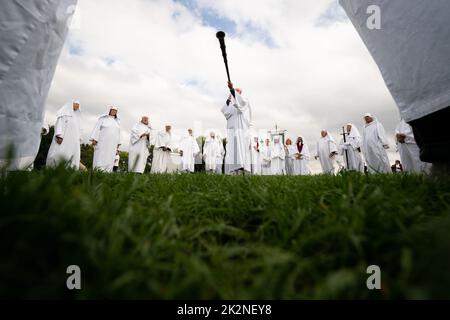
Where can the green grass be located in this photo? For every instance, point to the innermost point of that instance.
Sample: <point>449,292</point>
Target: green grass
<point>204,236</point>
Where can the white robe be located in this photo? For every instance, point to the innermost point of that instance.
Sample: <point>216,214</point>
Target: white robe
<point>374,138</point>
<point>138,154</point>
<point>107,135</point>
<point>277,155</point>
<point>67,127</point>
<point>256,158</point>
<point>325,146</point>
<point>238,115</point>
<point>190,149</point>
<point>301,166</point>
<point>352,147</point>
<point>409,151</point>
<point>411,49</point>
<point>289,160</point>
<point>162,160</point>
<point>212,154</point>
<point>265,160</point>
<point>32,34</point>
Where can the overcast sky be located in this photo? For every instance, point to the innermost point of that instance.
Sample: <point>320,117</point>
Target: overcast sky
<point>301,64</point>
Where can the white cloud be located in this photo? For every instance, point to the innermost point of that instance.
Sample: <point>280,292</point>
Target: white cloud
<point>158,57</point>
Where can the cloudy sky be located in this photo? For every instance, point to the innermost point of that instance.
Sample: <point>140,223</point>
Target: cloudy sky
<point>301,64</point>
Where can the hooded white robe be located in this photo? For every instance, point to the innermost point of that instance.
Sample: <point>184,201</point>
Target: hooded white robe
<point>301,166</point>
<point>325,147</point>
<point>411,49</point>
<point>212,154</point>
<point>352,147</point>
<point>67,127</point>
<point>256,157</point>
<point>162,160</point>
<point>409,151</point>
<point>277,156</point>
<point>373,142</point>
<point>190,149</point>
<point>139,152</point>
<point>238,115</point>
<point>265,160</point>
<point>107,135</point>
<point>32,34</point>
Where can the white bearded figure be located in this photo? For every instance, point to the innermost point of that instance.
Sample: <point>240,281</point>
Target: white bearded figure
<point>106,140</point>
<point>351,149</point>
<point>162,160</point>
<point>65,145</point>
<point>266,158</point>
<point>277,157</point>
<point>408,149</point>
<point>212,153</point>
<point>374,145</point>
<point>32,34</point>
<point>139,146</point>
<point>326,152</point>
<point>190,149</point>
<point>238,114</point>
<point>256,156</point>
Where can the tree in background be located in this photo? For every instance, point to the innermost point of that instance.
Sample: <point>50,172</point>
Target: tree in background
<point>87,155</point>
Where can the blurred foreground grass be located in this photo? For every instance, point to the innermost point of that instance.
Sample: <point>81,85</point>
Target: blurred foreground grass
<point>204,236</point>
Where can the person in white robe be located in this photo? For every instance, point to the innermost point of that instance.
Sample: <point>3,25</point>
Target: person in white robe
<point>374,146</point>
<point>106,140</point>
<point>237,112</point>
<point>189,149</point>
<point>351,149</point>
<point>139,146</point>
<point>301,158</point>
<point>32,35</point>
<point>256,156</point>
<point>277,157</point>
<point>326,152</point>
<point>266,158</point>
<point>408,149</point>
<point>290,155</point>
<point>162,160</point>
<point>65,146</point>
<point>212,153</point>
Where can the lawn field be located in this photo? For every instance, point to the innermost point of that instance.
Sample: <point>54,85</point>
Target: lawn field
<point>220,237</point>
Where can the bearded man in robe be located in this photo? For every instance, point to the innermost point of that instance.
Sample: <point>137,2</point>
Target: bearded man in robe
<point>162,161</point>
<point>256,156</point>
<point>374,146</point>
<point>409,41</point>
<point>326,152</point>
<point>212,153</point>
<point>277,157</point>
<point>139,146</point>
<point>266,158</point>
<point>351,149</point>
<point>237,112</point>
<point>189,149</point>
<point>106,140</point>
<point>301,158</point>
<point>32,35</point>
<point>408,149</point>
<point>65,146</point>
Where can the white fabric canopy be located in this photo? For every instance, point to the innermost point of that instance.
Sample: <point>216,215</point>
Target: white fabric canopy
<point>32,34</point>
<point>412,50</point>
